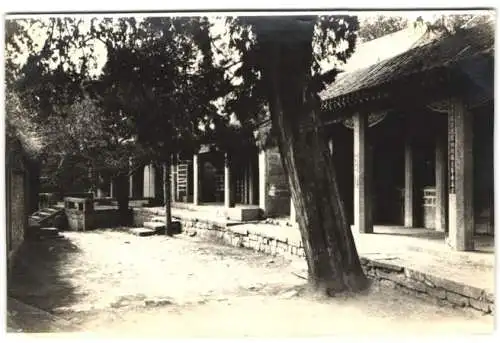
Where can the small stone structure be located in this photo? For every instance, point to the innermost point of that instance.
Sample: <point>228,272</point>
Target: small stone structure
<point>263,238</point>
<point>82,215</point>
<point>79,212</point>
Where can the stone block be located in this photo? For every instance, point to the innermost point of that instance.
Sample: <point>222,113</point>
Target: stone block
<point>415,275</point>
<point>386,265</point>
<point>413,284</point>
<point>455,287</point>
<point>371,272</point>
<point>436,292</point>
<point>239,229</point>
<point>457,299</point>
<point>490,297</point>
<point>142,232</point>
<point>422,295</point>
<point>479,305</point>
<point>387,283</point>
<point>399,278</point>
<point>156,226</point>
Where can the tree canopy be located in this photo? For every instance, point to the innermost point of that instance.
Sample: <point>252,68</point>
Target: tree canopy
<point>374,27</point>
<point>152,96</point>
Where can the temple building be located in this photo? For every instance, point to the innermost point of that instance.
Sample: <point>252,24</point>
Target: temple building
<point>410,130</point>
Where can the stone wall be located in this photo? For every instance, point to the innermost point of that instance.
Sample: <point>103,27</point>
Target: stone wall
<point>99,218</point>
<point>18,213</point>
<point>105,218</point>
<point>429,287</point>
<point>287,242</point>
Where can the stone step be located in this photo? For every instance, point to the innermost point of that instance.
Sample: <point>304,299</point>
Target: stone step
<point>157,226</point>
<point>51,210</point>
<point>49,231</point>
<point>142,231</point>
<point>158,219</point>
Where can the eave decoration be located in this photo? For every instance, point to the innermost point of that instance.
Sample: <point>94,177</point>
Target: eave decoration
<point>373,119</point>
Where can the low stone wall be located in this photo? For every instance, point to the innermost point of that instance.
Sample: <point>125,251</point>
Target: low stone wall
<point>425,286</point>
<point>103,218</point>
<point>263,238</point>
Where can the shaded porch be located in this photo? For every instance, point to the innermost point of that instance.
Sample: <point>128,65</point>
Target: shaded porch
<point>420,148</point>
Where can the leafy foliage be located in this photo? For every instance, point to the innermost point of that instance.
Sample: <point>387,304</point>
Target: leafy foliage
<point>324,38</point>
<point>374,27</point>
<point>153,96</point>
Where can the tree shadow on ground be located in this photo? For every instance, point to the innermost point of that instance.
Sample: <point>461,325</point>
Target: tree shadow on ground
<point>37,277</point>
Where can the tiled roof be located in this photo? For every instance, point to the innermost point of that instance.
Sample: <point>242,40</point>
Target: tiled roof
<point>379,49</point>
<point>462,47</point>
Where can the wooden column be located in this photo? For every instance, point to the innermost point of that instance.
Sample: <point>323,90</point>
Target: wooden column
<point>440,185</point>
<point>149,181</point>
<point>229,200</point>
<point>111,188</point>
<point>461,213</point>
<point>196,181</point>
<point>262,180</point>
<point>173,179</point>
<point>250,184</point>
<point>362,190</point>
<point>100,193</point>
<point>409,197</point>
<point>245,184</point>
<point>130,181</point>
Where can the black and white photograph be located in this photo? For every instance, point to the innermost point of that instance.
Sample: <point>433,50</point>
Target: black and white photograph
<point>233,174</point>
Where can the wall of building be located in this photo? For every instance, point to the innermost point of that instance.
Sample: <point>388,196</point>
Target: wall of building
<point>18,198</point>
<point>18,211</point>
<point>484,171</point>
<point>274,191</point>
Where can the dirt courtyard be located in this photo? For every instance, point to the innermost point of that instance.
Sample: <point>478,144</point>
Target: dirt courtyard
<point>112,282</point>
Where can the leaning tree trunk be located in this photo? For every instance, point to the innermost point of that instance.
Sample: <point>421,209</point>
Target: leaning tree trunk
<point>167,197</point>
<point>333,262</point>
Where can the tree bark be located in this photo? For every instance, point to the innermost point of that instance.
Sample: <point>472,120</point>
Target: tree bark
<point>332,258</point>
<point>167,198</point>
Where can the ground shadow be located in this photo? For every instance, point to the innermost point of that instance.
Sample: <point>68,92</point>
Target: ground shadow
<point>37,276</point>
